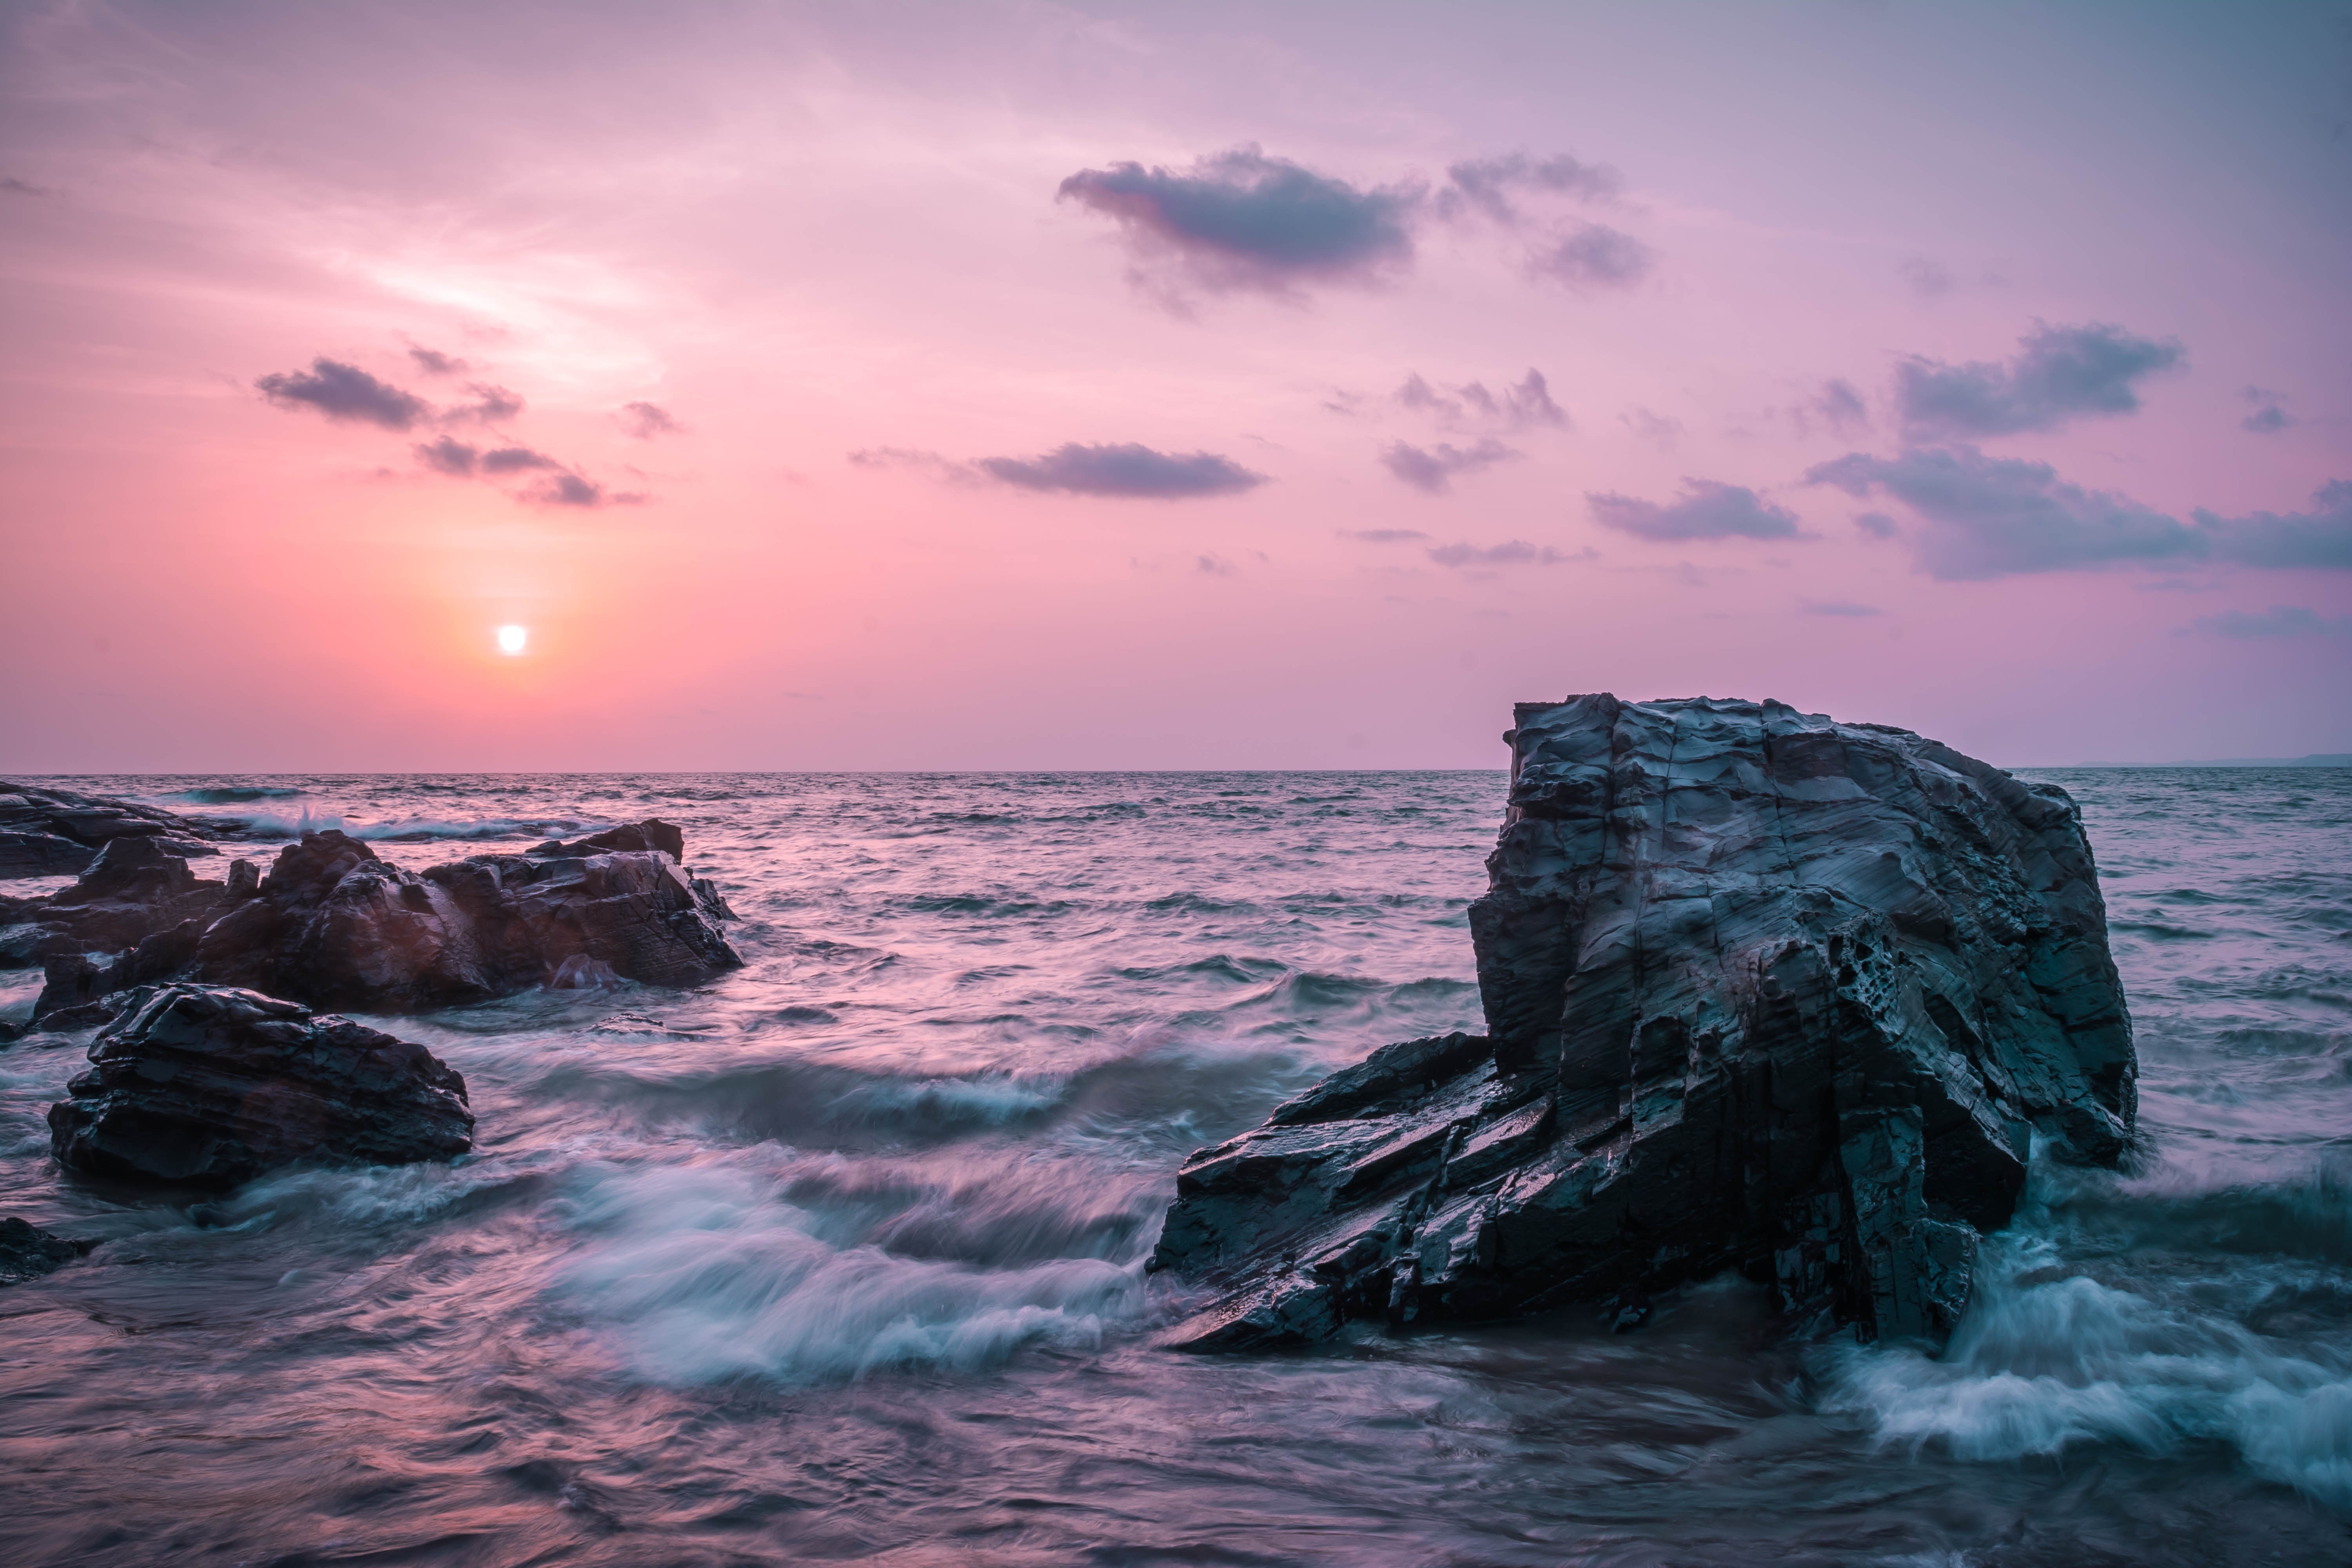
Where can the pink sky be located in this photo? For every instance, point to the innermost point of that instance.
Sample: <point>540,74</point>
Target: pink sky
<point>2108,240</point>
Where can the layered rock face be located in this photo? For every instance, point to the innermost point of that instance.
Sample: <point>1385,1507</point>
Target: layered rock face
<point>55,832</point>
<point>334,926</point>
<point>1763,991</point>
<point>205,1086</point>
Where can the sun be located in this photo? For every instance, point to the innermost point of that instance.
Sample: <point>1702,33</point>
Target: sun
<point>511,638</point>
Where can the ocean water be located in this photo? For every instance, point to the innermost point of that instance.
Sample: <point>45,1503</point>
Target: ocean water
<point>840,1258</point>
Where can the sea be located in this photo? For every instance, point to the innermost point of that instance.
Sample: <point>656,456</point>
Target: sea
<point>840,1258</point>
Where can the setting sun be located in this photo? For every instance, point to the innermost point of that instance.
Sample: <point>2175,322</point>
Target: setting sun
<point>511,638</point>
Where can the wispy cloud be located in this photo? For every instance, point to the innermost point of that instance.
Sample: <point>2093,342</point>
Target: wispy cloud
<point>2058,375</point>
<point>1433,470</point>
<point>1706,509</point>
<point>1511,553</point>
<point>1995,517</point>
<point>433,362</point>
<point>1593,256</point>
<point>1484,185</point>
<point>1383,536</point>
<point>1522,404</point>
<point>645,421</point>
<point>1125,470</point>
<point>2278,621</point>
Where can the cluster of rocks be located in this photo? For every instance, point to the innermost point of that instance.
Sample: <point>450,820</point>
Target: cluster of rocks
<point>1763,992</point>
<point>57,833</point>
<point>216,1061</point>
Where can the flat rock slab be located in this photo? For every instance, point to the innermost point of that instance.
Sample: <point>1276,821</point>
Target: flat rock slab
<point>209,1086</point>
<point>1763,991</point>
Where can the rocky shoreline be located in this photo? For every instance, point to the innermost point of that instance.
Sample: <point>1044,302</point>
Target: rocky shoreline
<point>1763,992</point>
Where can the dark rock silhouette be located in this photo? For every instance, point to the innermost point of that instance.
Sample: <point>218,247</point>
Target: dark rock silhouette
<point>335,926</point>
<point>55,832</point>
<point>207,1086</point>
<point>1763,991</point>
<point>28,1252</point>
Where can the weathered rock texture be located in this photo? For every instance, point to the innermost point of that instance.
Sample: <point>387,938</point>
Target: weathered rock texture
<point>334,926</point>
<point>28,1252</point>
<point>1763,991</point>
<point>205,1086</point>
<point>56,833</point>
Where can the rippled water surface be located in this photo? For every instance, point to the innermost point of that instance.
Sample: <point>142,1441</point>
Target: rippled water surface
<point>840,1258</point>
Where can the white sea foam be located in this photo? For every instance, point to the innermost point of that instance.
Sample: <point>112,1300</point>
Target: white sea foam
<point>705,1272</point>
<point>2042,1363</point>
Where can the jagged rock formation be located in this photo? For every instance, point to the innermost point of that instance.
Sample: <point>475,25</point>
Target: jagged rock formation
<point>205,1086</point>
<point>55,832</point>
<point>1763,991</point>
<point>333,925</point>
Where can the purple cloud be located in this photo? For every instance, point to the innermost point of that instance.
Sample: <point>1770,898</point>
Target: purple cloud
<point>647,420</point>
<point>2059,373</point>
<point>346,393</point>
<point>1594,256</point>
<point>1124,470</point>
<point>1242,220</point>
<point>1706,510</point>
<point>1433,471</point>
<point>1483,184</point>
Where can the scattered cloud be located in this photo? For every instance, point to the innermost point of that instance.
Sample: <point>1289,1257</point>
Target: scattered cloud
<point>491,405</point>
<point>1838,607</point>
<point>571,489</point>
<point>1484,185</point>
<point>1594,256</point>
<point>1928,280</point>
<point>449,455</point>
<point>433,362</point>
<point>1433,471</point>
<point>933,463</point>
<point>1877,524</point>
<point>1215,566</point>
<point>1838,405</point>
<point>344,392</point>
<point>2320,536</point>
<point>1994,517</point>
<point>2278,621</point>
<point>1511,553</point>
<point>1125,469</point>
<point>516,461</point>
<point>1523,404</point>
<point>2058,374</point>
<point>1706,509</point>
<point>1651,425</point>
<point>647,420</point>
<point>2269,417</point>
<point>1241,220</point>
<point>1383,536</point>
<point>11,185</point>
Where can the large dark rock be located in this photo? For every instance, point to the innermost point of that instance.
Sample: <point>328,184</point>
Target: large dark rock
<point>1763,992</point>
<point>206,1086</point>
<point>335,926</point>
<point>56,831</point>
<point>137,886</point>
<point>28,1252</point>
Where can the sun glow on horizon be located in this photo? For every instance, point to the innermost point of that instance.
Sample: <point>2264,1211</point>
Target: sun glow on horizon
<point>513,639</point>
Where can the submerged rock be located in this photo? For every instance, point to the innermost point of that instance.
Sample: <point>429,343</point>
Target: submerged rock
<point>1763,991</point>
<point>335,926</point>
<point>206,1086</point>
<point>28,1252</point>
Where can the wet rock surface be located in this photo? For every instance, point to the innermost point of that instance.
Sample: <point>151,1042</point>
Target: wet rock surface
<point>1763,991</point>
<point>331,924</point>
<point>56,833</point>
<point>28,1252</point>
<point>335,926</point>
<point>210,1086</point>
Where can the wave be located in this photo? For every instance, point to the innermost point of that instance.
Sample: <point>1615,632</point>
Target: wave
<point>2041,1364</point>
<point>228,794</point>
<point>415,829</point>
<point>707,1272</point>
